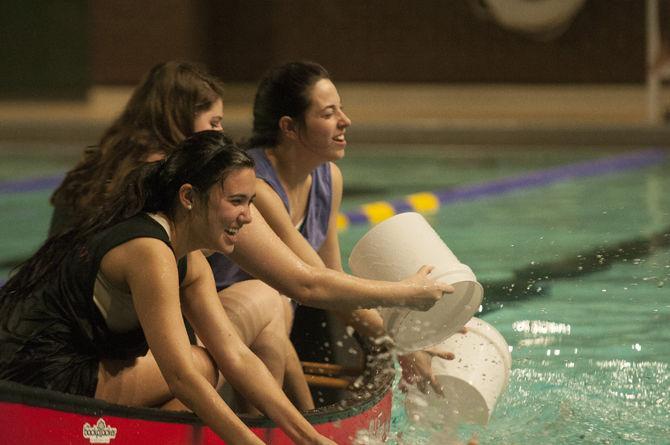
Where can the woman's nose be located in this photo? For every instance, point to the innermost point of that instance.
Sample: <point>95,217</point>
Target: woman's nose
<point>245,216</point>
<point>344,120</point>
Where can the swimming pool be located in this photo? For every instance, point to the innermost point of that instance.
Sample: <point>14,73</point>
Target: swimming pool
<point>577,277</point>
<point>576,273</point>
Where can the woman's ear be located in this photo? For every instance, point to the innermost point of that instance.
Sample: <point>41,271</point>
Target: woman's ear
<point>288,127</point>
<point>186,196</point>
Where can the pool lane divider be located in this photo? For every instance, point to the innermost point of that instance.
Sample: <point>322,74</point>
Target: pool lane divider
<point>430,202</point>
<point>30,184</point>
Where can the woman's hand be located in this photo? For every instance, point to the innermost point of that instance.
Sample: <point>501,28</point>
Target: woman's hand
<point>416,369</point>
<point>429,291</point>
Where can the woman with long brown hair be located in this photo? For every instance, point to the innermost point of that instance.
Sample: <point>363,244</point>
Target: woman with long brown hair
<point>173,101</point>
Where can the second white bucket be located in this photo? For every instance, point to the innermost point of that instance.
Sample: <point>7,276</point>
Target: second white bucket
<point>395,249</point>
<point>473,381</point>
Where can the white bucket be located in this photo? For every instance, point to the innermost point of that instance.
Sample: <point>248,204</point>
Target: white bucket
<point>395,249</point>
<point>472,382</point>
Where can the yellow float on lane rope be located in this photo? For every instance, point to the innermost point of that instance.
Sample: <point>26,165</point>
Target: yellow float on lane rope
<point>424,202</point>
<point>378,211</point>
<point>342,222</point>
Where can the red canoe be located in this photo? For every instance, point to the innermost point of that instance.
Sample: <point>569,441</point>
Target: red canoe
<point>32,416</point>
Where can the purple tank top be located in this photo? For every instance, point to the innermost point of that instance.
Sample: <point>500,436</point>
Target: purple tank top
<point>314,226</point>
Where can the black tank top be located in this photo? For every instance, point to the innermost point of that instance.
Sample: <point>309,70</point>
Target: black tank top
<point>58,324</point>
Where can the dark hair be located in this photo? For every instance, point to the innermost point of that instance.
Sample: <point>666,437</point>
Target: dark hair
<point>283,91</point>
<point>159,114</point>
<point>202,160</point>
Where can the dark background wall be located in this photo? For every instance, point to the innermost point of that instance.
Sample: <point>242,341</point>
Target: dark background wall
<point>61,48</point>
<point>128,37</point>
<point>427,41</point>
<point>44,49</point>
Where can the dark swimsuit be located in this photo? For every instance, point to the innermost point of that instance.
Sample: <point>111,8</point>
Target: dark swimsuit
<point>55,337</point>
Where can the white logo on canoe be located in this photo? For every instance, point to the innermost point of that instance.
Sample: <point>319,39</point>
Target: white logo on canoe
<point>99,433</point>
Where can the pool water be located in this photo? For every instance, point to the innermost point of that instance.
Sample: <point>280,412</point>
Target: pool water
<point>576,275</point>
<point>577,278</point>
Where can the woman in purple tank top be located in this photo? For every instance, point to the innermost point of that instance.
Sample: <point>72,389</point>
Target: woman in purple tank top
<point>298,131</point>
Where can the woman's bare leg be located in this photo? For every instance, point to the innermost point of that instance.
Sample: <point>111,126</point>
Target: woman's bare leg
<point>254,309</point>
<point>140,382</point>
<point>288,314</point>
<point>295,384</point>
<point>258,313</point>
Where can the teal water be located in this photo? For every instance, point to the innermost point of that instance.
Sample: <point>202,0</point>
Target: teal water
<point>590,336</point>
<point>577,278</point>
<point>591,363</point>
<point>24,217</point>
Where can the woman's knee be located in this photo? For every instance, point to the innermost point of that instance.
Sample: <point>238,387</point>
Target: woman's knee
<point>265,297</point>
<point>205,364</point>
<point>289,313</point>
<point>252,306</point>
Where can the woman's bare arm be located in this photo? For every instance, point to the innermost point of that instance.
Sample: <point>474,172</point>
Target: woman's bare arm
<point>367,322</point>
<point>237,363</point>
<point>260,252</point>
<point>149,268</point>
<point>270,205</point>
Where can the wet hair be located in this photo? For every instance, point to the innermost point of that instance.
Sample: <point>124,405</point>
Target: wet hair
<point>283,91</point>
<point>202,160</point>
<point>159,115</point>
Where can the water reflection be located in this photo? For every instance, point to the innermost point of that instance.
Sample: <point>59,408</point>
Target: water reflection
<point>535,279</point>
